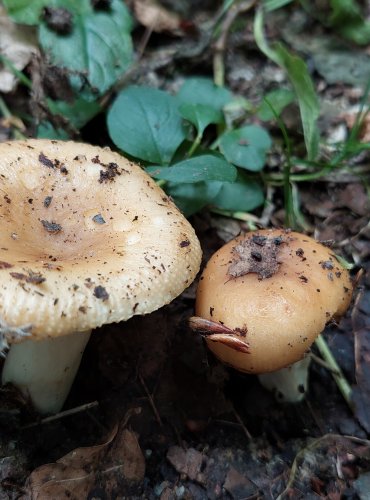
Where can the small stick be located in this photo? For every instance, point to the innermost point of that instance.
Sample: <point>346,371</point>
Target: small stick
<point>246,431</point>
<point>63,414</point>
<point>151,401</point>
<point>220,45</point>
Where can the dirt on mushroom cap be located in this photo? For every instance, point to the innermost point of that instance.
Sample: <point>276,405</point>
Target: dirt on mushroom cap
<point>105,240</point>
<point>282,306</point>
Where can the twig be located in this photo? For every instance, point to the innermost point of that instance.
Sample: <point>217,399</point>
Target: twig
<point>63,414</point>
<point>220,45</point>
<point>311,446</point>
<point>151,401</point>
<point>335,370</point>
<point>246,431</point>
<point>321,362</point>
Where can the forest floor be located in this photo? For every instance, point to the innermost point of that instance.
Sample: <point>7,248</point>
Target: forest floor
<point>152,414</point>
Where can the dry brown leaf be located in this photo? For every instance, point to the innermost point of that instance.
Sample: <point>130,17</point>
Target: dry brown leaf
<point>187,462</point>
<point>364,133</point>
<point>155,17</point>
<point>117,462</point>
<point>17,44</point>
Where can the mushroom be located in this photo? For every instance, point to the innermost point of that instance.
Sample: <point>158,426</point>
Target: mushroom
<point>87,238</point>
<point>262,300</point>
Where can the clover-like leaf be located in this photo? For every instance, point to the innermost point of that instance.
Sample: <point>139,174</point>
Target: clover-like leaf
<point>199,168</point>
<point>145,123</point>
<point>191,198</point>
<point>200,115</point>
<point>246,147</point>
<point>242,195</point>
<point>204,91</point>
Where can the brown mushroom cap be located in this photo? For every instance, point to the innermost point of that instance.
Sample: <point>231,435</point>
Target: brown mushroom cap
<point>87,238</point>
<point>277,290</point>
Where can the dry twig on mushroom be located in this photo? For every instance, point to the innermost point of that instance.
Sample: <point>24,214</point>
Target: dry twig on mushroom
<point>87,238</point>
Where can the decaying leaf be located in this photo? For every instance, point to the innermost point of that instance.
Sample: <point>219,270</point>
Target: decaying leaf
<point>115,464</point>
<point>351,116</point>
<point>17,45</point>
<point>155,17</point>
<point>187,462</point>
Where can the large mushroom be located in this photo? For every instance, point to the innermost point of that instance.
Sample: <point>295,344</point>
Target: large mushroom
<point>262,300</point>
<point>87,238</point>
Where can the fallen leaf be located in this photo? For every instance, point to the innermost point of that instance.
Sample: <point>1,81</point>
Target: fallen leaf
<point>155,17</point>
<point>238,485</point>
<point>114,465</point>
<point>187,462</point>
<point>17,45</point>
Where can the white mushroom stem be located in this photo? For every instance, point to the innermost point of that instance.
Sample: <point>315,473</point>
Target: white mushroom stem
<point>289,384</point>
<point>45,370</point>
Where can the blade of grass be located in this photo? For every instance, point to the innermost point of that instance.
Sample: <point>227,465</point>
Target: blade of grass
<point>301,81</point>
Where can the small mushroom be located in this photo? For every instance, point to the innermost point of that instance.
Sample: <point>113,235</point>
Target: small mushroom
<point>262,300</point>
<point>87,238</point>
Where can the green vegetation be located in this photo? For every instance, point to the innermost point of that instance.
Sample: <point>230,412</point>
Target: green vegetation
<point>202,144</point>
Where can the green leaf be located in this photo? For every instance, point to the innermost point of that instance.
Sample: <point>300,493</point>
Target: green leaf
<point>145,123</point>
<point>190,198</point>
<point>302,83</point>
<point>277,99</point>
<point>99,46</point>
<point>47,131</point>
<point>196,169</point>
<point>275,4</point>
<point>347,18</point>
<point>25,11</point>
<point>242,195</point>
<point>246,147</point>
<point>200,115</point>
<point>77,113</point>
<point>204,91</point>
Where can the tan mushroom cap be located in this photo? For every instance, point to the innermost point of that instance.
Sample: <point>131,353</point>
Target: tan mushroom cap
<point>280,315</point>
<point>87,238</point>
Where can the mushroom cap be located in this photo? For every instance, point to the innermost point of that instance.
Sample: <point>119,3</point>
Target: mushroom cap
<point>276,290</point>
<point>87,238</point>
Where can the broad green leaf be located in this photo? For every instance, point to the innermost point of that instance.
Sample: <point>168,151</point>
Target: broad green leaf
<point>196,169</point>
<point>190,198</point>
<point>145,123</point>
<point>200,115</point>
<point>99,46</point>
<point>77,113</point>
<point>242,195</point>
<point>277,99</point>
<point>302,83</point>
<point>204,91</point>
<point>25,11</point>
<point>246,147</point>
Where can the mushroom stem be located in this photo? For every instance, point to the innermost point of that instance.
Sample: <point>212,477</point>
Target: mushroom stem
<point>289,384</point>
<point>45,370</point>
